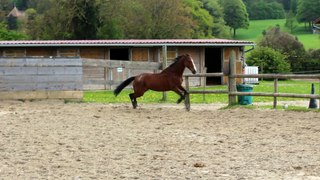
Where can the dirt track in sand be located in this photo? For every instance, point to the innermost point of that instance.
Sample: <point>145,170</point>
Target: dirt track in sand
<point>53,140</point>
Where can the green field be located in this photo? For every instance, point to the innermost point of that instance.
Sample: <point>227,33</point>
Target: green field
<point>289,86</point>
<point>254,32</point>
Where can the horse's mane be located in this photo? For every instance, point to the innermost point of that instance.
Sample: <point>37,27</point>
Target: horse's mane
<point>177,59</point>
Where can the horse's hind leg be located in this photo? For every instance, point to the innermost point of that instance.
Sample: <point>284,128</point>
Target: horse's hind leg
<point>133,100</point>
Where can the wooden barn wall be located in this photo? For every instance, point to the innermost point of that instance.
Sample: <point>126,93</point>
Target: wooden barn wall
<point>117,71</point>
<point>40,78</point>
<point>226,55</point>
<point>93,52</point>
<point>114,72</point>
<point>93,73</point>
<point>41,52</point>
<point>123,70</point>
<point>197,56</point>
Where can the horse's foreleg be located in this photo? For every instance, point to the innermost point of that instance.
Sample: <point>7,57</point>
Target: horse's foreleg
<point>186,97</point>
<point>133,100</point>
<point>182,92</point>
<point>182,96</point>
<point>183,89</point>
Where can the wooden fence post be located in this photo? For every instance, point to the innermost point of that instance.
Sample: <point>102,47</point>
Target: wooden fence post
<point>232,79</point>
<point>275,91</point>
<point>164,65</point>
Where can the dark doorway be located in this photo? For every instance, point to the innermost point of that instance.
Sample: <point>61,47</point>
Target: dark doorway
<point>213,59</point>
<point>119,54</point>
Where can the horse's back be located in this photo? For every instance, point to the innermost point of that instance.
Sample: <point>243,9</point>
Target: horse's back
<point>156,81</point>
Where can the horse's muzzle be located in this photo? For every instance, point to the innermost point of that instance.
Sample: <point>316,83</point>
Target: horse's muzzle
<point>194,72</point>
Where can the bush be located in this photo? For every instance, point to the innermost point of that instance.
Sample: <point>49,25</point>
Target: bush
<point>268,60</point>
<point>311,63</point>
<point>286,44</point>
<point>6,34</point>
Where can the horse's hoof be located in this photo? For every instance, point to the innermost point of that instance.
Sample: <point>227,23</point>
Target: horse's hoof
<point>135,105</point>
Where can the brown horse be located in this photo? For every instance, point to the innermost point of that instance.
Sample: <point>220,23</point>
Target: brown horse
<point>170,79</point>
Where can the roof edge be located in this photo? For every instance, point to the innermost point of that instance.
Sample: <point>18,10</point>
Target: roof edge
<point>127,42</point>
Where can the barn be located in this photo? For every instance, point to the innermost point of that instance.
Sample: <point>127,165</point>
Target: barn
<point>316,26</point>
<point>107,62</point>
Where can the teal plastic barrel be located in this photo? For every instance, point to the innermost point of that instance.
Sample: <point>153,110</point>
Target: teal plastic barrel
<point>244,100</point>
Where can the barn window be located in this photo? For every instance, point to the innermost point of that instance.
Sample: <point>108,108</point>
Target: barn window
<point>68,52</point>
<point>172,53</point>
<point>140,54</point>
<point>119,54</point>
<point>20,52</point>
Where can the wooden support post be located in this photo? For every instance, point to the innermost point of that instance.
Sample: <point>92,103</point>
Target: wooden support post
<point>187,98</point>
<point>204,81</point>
<point>110,77</point>
<point>164,65</point>
<point>232,79</point>
<point>105,78</point>
<point>275,91</point>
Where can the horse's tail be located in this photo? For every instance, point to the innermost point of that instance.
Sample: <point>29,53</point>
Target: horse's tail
<point>123,85</point>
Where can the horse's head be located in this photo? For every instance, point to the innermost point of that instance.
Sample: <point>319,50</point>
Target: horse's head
<point>188,62</point>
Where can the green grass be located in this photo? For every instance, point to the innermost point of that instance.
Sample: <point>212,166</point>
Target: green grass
<point>289,86</point>
<point>254,32</point>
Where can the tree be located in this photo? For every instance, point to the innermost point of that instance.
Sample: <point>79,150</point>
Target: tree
<point>286,44</point>
<point>308,10</point>
<point>21,4</point>
<point>85,20</point>
<point>31,23</point>
<point>70,20</point>
<point>286,4</point>
<point>261,9</point>
<point>293,6</point>
<point>268,60</point>
<point>235,15</point>
<point>5,7</point>
<point>12,23</point>
<point>54,23</point>
<point>202,19</point>
<point>219,28</point>
<point>168,19</point>
<point>41,6</point>
<point>291,21</point>
<point>155,19</point>
<point>112,16</point>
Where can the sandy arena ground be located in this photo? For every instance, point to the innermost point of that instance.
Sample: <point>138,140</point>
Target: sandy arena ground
<point>53,140</point>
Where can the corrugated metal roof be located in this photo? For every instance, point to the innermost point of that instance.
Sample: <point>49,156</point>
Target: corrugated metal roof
<point>128,42</point>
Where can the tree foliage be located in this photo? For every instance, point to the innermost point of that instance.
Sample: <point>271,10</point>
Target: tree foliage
<point>262,9</point>
<point>291,21</point>
<point>128,19</point>
<point>235,15</point>
<point>202,19</point>
<point>219,28</point>
<point>21,4</point>
<point>307,10</point>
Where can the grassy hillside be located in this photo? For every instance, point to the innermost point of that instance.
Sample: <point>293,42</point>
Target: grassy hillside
<point>254,33</point>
